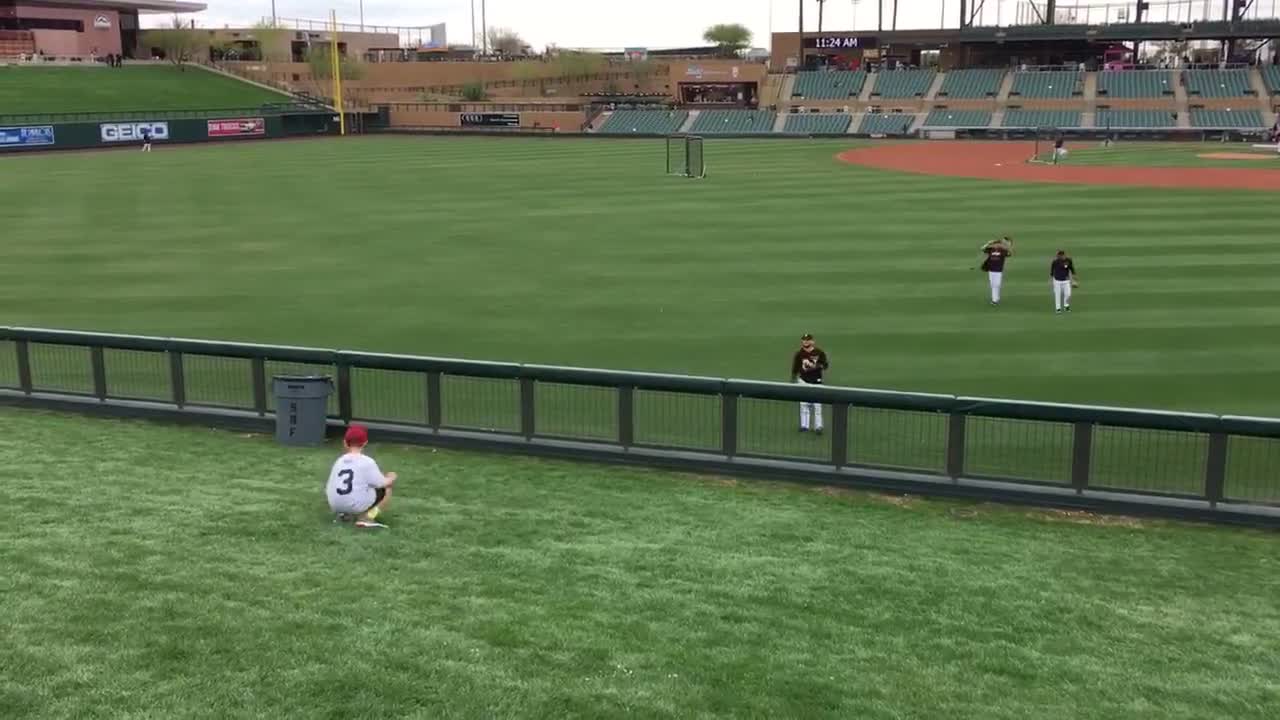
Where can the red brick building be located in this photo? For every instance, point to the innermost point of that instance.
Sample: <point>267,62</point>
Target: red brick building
<point>78,28</point>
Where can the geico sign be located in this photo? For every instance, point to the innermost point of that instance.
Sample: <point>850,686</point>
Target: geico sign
<point>132,132</point>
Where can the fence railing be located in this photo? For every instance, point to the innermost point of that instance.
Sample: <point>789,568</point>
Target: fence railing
<point>1218,466</point>
<point>267,109</point>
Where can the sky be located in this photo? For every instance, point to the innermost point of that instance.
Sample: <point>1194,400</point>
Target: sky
<point>622,23</point>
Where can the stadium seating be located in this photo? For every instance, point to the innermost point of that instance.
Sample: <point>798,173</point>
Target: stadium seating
<point>1136,119</point>
<point>1042,118</point>
<point>823,85</point>
<point>817,124</point>
<point>971,84</point>
<point>1271,76</point>
<point>1135,84</point>
<point>958,118</point>
<point>17,43</point>
<point>1227,119</point>
<point>1049,84</point>
<point>882,124</point>
<point>648,122</point>
<point>902,83</point>
<point>1218,83</point>
<point>733,122</point>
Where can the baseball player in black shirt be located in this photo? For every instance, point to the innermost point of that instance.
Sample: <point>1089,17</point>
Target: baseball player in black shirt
<point>807,366</point>
<point>1062,275</point>
<point>997,251</point>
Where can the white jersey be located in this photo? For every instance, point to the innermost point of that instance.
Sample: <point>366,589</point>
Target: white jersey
<point>352,483</point>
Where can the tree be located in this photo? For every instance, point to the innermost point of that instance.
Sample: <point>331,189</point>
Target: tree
<point>179,43</point>
<point>273,41</point>
<point>505,41</point>
<point>321,63</point>
<point>732,39</point>
<point>474,92</point>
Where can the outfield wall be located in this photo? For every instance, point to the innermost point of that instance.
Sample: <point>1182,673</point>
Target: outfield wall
<point>80,131</point>
<point>1190,465</point>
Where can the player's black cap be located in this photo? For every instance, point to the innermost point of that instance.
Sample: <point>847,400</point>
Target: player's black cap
<point>806,336</point>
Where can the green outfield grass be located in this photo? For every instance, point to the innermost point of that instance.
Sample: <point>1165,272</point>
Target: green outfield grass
<point>104,89</point>
<point>583,253</point>
<point>1168,154</point>
<point>160,572</point>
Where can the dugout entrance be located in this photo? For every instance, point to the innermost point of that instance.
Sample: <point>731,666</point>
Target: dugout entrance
<point>685,157</point>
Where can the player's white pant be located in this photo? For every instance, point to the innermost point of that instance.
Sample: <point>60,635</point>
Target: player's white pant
<point>997,281</point>
<point>810,411</point>
<point>1061,294</point>
<point>1059,154</point>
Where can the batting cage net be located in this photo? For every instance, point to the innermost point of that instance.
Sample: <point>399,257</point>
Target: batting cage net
<point>1046,137</point>
<point>684,156</point>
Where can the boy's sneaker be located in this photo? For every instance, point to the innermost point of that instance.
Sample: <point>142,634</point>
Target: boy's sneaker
<point>369,525</point>
<point>344,518</point>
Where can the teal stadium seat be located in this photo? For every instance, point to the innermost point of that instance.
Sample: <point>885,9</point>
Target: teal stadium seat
<point>1227,119</point>
<point>733,122</point>
<point>1041,118</point>
<point>1218,83</point>
<point>958,118</point>
<point>644,122</point>
<point>902,83</point>
<point>817,124</point>
<point>1136,119</point>
<point>1049,84</point>
<point>828,85</point>
<point>959,84</point>
<point>1135,84</point>
<point>885,124</point>
<point>1271,76</point>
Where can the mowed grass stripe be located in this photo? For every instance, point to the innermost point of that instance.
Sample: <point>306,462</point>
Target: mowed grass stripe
<point>583,253</point>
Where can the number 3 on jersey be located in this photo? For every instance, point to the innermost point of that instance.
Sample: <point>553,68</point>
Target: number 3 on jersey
<point>346,476</point>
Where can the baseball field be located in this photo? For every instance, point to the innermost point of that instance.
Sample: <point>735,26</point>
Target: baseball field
<point>584,253</point>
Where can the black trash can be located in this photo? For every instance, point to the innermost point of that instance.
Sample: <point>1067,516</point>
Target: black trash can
<point>302,408</point>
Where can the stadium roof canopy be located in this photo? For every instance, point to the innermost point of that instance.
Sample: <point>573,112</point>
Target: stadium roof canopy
<point>141,6</point>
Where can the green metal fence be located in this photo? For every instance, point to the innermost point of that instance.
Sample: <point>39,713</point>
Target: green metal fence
<point>1217,466</point>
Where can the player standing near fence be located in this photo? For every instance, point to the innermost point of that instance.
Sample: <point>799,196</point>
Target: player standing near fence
<point>1062,275</point>
<point>807,366</point>
<point>997,252</point>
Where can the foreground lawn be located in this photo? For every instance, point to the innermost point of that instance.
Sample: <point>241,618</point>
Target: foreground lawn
<point>159,572</point>
<point>581,252</point>
<point>104,89</point>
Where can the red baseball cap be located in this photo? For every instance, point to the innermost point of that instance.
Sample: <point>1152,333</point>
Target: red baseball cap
<point>356,435</point>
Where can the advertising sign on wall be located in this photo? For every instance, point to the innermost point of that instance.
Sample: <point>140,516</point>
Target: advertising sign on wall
<point>239,127</point>
<point>26,136</point>
<point>490,119</point>
<point>130,132</point>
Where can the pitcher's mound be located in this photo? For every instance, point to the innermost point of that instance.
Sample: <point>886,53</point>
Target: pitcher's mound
<point>1236,156</point>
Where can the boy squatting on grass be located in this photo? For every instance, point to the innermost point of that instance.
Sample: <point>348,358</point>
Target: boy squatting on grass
<point>357,489</point>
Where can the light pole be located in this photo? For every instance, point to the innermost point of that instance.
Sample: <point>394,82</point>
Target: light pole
<point>855,14</point>
<point>274,21</point>
<point>484,28</point>
<point>361,15</point>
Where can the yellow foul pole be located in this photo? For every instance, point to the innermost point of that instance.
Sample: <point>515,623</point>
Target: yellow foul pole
<point>337,72</point>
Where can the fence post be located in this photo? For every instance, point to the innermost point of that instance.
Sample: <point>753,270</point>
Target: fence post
<point>840,434</point>
<point>177,378</point>
<point>626,416</point>
<point>527,428</point>
<point>24,366</point>
<point>344,392</point>
<point>97,358</point>
<point>955,445</point>
<point>1215,471</point>
<point>729,424</point>
<point>1081,456</point>
<point>260,385</point>
<point>433,400</point>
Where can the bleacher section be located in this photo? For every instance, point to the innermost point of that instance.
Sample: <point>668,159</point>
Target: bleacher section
<point>817,124</point>
<point>823,85</point>
<point>1049,84</point>
<point>1135,119</point>
<point>958,118</point>
<point>881,124</point>
<point>902,83</point>
<point>1041,118</point>
<point>644,122</point>
<point>733,122</point>
<point>1227,119</point>
<point>1271,76</point>
<point>958,84</point>
<point>1217,83</point>
<point>1135,84</point>
<point>17,43</point>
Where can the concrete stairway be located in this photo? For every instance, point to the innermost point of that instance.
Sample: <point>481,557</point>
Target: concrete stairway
<point>1006,87</point>
<point>935,86</point>
<point>689,121</point>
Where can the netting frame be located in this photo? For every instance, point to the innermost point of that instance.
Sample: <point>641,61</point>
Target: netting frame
<point>1044,139</point>
<point>686,156</point>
